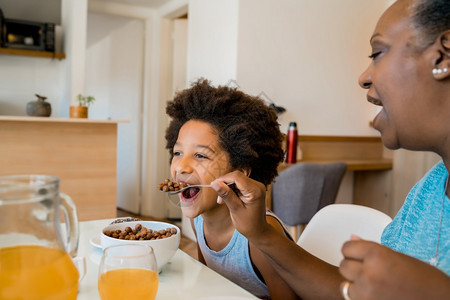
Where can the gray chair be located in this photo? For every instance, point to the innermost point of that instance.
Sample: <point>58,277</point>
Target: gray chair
<point>301,190</point>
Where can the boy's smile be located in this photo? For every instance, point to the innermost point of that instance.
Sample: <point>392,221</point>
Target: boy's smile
<point>198,159</point>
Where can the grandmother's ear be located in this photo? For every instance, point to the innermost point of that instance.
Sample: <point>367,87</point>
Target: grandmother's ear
<point>445,40</point>
<point>442,64</point>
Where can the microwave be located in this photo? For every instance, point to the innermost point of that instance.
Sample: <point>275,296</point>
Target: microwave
<point>21,34</point>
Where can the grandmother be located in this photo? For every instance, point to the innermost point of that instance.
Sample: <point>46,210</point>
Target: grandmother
<point>409,76</point>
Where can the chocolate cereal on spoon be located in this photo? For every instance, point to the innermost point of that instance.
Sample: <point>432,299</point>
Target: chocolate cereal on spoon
<point>191,189</point>
<point>170,186</point>
<point>188,190</point>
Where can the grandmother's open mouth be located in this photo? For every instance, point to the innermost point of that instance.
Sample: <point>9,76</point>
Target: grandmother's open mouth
<point>374,101</point>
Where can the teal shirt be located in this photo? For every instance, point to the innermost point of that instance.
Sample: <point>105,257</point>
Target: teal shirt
<point>414,231</point>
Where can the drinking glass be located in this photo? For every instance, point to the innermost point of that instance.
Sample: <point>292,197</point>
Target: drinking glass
<point>128,272</point>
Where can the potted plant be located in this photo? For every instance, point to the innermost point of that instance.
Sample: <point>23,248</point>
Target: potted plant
<point>81,110</point>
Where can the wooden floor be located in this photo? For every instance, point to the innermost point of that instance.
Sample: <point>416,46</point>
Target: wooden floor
<point>186,244</point>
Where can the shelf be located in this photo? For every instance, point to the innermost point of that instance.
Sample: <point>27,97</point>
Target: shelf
<point>372,164</point>
<point>23,52</point>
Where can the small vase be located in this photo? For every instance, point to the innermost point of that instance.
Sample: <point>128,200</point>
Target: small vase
<point>39,108</point>
<point>79,112</point>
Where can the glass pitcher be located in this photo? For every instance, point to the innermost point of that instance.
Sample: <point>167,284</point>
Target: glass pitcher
<point>35,256</point>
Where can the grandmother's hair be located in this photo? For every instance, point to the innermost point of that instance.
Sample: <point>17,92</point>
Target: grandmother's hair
<point>247,128</point>
<point>430,18</point>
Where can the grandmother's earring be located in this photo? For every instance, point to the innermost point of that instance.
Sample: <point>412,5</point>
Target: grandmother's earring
<point>437,71</point>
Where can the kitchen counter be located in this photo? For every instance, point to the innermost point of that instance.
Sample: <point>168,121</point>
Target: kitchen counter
<point>58,120</point>
<point>81,152</point>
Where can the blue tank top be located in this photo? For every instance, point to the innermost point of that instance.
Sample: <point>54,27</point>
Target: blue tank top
<point>414,231</point>
<point>232,262</point>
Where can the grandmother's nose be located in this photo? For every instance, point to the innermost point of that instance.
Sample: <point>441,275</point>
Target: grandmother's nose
<point>365,79</point>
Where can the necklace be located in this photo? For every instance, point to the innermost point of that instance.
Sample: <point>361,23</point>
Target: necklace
<point>434,260</point>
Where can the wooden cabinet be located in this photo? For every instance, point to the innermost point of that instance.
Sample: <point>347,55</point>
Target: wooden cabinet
<point>370,169</point>
<point>81,152</point>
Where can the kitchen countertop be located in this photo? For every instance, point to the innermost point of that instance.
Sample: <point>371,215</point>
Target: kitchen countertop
<point>51,119</point>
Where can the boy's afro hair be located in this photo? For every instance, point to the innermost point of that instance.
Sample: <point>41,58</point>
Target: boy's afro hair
<point>247,129</point>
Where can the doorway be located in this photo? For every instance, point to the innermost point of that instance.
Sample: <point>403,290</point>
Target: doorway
<point>114,75</point>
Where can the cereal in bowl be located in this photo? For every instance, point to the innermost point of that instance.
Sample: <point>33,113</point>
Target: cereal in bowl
<point>140,233</point>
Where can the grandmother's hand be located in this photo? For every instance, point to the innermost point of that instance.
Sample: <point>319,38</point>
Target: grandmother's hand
<point>246,202</point>
<point>377,272</point>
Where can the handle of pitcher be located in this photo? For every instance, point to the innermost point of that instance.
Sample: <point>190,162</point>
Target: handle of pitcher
<point>72,230</point>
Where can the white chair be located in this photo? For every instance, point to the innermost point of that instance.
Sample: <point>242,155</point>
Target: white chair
<point>334,224</point>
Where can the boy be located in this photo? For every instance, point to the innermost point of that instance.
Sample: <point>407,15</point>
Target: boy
<point>215,131</point>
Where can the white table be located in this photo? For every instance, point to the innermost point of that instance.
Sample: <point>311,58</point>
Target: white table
<point>181,278</point>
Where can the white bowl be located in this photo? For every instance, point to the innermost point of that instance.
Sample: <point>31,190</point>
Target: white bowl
<point>164,248</point>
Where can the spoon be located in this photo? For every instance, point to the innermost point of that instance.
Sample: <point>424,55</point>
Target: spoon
<point>193,186</point>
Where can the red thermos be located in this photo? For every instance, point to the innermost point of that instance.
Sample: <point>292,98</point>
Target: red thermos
<point>291,143</point>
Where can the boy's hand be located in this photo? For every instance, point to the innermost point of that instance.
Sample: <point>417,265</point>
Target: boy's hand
<point>246,202</point>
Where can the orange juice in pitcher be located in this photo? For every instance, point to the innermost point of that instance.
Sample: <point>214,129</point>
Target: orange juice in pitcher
<point>35,259</point>
<point>37,272</point>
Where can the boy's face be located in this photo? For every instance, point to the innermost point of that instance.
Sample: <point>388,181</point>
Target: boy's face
<point>198,159</point>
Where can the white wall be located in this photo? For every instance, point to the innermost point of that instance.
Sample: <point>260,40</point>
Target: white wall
<point>307,56</point>
<point>22,77</point>
<point>304,55</point>
<point>179,61</point>
<point>31,10</point>
<point>212,43</point>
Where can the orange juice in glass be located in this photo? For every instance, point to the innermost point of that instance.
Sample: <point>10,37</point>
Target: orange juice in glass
<point>128,272</point>
<point>34,258</point>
